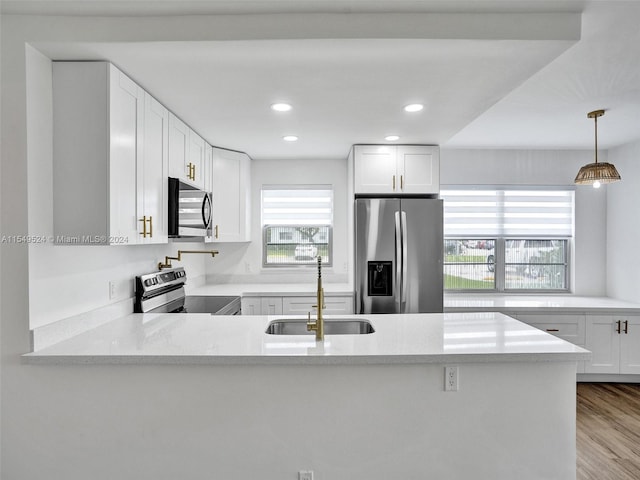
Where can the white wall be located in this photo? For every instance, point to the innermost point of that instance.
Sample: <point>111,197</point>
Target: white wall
<point>623,233</point>
<point>243,262</point>
<point>544,167</point>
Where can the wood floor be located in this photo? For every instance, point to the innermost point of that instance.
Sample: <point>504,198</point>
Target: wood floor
<point>608,431</point>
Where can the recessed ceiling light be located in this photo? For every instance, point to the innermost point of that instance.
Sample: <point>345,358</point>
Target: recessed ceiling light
<point>414,107</point>
<point>290,138</point>
<point>281,107</point>
<point>392,138</point>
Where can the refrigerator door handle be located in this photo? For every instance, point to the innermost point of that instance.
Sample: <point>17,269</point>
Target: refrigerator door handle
<point>403,223</point>
<point>399,265</point>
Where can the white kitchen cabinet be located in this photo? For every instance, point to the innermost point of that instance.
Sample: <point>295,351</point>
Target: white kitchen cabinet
<point>152,170</point>
<point>418,169</point>
<point>334,305</point>
<point>271,305</point>
<point>251,306</point>
<point>396,169</point>
<point>261,305</point>
<point>98,123</point>
<point>630,345</point>
<point>179,149</point>
<point>296,305</point>
<point>196,159</point>
<point>375,168</point>
<point>569,327</point>
<point>207,168</point>
<point>231,196</point>
<point>614,342</point>
<point>186,153</point>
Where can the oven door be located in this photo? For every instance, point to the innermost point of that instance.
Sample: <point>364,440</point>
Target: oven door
<point>190,210</point>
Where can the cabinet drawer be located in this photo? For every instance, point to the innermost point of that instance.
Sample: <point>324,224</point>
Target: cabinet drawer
<point>302,305</point>
<point>568,327</point>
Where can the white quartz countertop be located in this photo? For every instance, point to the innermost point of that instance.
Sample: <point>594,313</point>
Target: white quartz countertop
<point>270,289</point>
<point>459,302</point>
<point>453,302</point>
<point>207,339</point>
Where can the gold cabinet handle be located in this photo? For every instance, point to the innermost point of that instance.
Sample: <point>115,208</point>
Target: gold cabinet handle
<point>151,226</point>
<point>191,175</point>
<point>144,226</point>
<point>401,182</point>
<point>626,327</point>
<point>215,232</point>
<point>618,326</point>
<point>394,182</point>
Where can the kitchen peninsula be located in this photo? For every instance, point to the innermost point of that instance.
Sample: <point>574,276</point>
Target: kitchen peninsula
<point>354,406</point>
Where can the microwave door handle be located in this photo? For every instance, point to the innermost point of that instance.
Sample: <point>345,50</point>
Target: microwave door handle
<point>206,211</point>
<point>398,254</point>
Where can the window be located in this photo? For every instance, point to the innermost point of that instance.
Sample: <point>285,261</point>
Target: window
<point>507,240</point>
<point>297,223</point>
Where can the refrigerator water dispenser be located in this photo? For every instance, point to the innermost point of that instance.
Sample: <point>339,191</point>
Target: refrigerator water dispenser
<point>380,279</point>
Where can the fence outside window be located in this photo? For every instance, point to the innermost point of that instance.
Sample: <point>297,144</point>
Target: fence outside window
<point>507,240</point>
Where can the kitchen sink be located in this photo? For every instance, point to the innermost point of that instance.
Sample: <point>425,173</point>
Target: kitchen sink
<point>216,305</point>
<point>334,326</point>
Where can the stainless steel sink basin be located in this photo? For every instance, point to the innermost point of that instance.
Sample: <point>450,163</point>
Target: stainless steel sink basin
<point>216,305</point>
<point>334,326</point>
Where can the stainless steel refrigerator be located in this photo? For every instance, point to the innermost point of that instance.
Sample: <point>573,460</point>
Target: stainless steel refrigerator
<point>398,255</point>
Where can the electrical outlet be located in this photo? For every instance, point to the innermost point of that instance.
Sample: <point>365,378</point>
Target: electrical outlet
<point>305,475</point>
<point>247,267</point>
<point>451,379</point>
<point>112,290</point>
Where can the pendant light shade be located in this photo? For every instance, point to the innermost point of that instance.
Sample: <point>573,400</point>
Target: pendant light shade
<point>597,173</point>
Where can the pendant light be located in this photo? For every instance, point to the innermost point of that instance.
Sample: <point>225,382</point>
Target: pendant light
<point>597,173</point>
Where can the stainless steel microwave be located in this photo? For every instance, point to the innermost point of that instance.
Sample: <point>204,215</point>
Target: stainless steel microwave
<point>189,212</point>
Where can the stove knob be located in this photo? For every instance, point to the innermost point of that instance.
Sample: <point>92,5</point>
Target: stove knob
<point>148,282</point>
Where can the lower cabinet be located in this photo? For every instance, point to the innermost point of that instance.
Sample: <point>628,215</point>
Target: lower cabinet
<point>334,305</point>
<point>296,305</point>
<point>614,342</point>
<point>251,306</point>
<point>569,327</point>
<point>271,305</point>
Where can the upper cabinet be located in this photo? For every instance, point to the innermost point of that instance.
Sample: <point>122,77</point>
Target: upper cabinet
<point>396,169</point>
<point>152,168</point>
<point>186,153</point>
<point>231,196</point>
<point>196,158</point>
<point>110,157</point>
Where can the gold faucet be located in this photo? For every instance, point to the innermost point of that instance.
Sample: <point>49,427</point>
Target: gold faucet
<point>318,323</point>
<point>167,260</point>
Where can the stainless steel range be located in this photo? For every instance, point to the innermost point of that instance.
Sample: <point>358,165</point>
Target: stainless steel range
<point>163,292</point>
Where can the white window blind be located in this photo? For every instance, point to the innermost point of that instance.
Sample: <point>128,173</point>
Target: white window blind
<point>508,212</point>
<point>310,205</point>
<point>297,223</point>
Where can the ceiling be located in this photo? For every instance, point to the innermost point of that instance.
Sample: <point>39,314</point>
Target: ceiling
<point>491,74</point>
